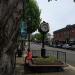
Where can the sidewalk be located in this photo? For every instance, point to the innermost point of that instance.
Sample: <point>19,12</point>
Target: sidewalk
<point>70,70</point>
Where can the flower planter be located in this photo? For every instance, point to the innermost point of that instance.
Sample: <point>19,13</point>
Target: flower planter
<point>54,67</point>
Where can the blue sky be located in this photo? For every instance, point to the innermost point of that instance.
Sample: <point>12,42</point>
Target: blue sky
<point>57,13</point>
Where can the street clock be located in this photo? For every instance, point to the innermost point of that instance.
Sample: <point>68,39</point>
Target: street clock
<point>44,27</point>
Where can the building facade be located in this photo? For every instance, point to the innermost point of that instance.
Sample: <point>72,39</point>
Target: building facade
<point>65,35</point>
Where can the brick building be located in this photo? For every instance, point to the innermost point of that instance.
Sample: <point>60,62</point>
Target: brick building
<point>65,35</point>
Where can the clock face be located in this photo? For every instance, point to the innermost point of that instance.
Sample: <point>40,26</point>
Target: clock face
<point>44,27</point>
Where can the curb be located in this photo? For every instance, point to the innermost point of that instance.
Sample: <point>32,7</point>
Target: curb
<point>70,67</point>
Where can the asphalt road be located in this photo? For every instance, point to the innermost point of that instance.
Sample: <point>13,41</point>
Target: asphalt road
<point>70,55</point>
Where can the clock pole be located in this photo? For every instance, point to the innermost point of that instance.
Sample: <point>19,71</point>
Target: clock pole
<point>43,29</point>
<point>43,46</point>
<point>43,41</point>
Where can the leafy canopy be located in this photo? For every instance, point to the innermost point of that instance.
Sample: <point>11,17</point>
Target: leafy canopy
<point>32,13</point>
<point>38,36</point>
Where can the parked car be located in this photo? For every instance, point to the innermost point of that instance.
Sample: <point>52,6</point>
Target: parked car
<point>66,46</point>
<point>59,46</point>
<point>73,47</point>
<point>54,45</point>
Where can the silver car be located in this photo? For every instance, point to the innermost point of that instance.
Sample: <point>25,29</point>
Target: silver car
<point>66,46</point>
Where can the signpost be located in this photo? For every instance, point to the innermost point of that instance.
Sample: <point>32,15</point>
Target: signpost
<point>23,30</point>
<point>22,34</point>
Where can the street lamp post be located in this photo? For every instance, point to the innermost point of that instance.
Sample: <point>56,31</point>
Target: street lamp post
<point>23,24</point>
<point>28,21</point>
<point>23,6</point>
<point>29,29</point>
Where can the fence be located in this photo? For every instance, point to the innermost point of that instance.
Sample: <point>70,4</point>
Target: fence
<point>58,54</point>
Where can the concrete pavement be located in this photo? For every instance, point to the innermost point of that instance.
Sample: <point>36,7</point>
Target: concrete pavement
<point>70,70</point>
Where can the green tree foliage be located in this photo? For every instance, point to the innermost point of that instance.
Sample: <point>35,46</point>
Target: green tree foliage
<point>38,36</point>
<point>32,15</point>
